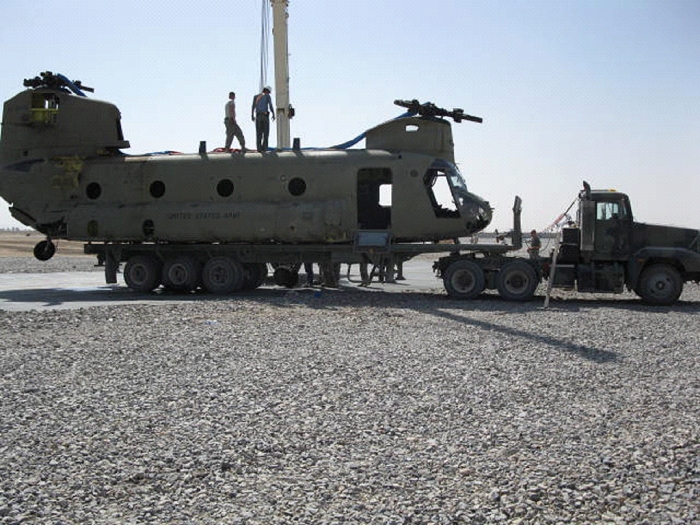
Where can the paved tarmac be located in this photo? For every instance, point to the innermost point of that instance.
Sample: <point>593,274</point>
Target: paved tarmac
<point>71,290</point>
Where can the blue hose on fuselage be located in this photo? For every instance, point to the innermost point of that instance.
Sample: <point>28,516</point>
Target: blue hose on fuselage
<point>71,85</point>
<point>361,136</point>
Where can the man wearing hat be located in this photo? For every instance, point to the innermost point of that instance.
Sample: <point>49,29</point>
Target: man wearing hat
<point>261,110</point>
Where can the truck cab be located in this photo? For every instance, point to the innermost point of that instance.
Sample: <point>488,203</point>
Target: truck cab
<point>606,224</point>
<point>608,251</point>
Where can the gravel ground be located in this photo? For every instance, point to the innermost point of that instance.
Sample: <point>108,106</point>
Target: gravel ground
<point>57,264</point>
<point>352,406</point>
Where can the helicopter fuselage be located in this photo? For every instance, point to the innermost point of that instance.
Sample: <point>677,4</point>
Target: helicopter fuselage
<point>64,173</point>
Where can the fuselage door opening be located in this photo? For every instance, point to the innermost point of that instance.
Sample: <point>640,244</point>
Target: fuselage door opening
<point>374,198</point>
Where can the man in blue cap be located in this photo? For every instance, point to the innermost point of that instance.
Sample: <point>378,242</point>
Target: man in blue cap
<point>261,110</point>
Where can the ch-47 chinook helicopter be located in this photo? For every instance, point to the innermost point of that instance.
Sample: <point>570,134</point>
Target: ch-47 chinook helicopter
<point>216,220</point>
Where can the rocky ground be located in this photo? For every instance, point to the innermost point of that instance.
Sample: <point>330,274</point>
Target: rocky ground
<point>351,406</point>
<point>21,244</point>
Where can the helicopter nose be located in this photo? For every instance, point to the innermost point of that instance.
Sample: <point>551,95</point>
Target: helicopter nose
<point>478,214</point>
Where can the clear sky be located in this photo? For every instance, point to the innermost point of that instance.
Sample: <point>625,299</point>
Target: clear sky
<point>606,91</point>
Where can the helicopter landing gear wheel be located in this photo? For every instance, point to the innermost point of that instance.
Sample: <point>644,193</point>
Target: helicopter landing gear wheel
<point>254,275</point>
<point>660,284</point>
<point>286,275</point>
<point>516,281</point>
<point>464,279</point>
<point>181,274</point>
<point>44,250</point>
<point>142,273</point>
<point>222,275</point>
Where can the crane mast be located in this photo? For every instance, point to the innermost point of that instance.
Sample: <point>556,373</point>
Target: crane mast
<point>284,109</point>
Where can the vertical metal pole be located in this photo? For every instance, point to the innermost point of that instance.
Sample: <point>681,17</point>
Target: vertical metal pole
<point>552,270</point>
<point>279,33</point>
<point>264,39</point>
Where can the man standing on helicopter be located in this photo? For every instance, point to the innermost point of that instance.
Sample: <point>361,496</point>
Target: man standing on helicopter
<point>261,110</point>
<point>232,127</point>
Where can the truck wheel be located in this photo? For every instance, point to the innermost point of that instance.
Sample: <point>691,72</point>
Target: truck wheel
<point>181,274</point>
<point>464,279</point>
<point>222,275</point>
<point>142,273</point>
<point>517,281</point>
<point>660,284</point>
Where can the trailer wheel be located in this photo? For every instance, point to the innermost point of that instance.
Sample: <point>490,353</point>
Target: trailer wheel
<point>182,274</point>
<point>464,279</point>
<point>142,273</point>
<point>222,275</point>
<point>660,284</point>
<point>516,281</point>
<point>255,274</point>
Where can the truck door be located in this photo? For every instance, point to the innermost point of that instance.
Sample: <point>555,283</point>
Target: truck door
<point>612,230</point>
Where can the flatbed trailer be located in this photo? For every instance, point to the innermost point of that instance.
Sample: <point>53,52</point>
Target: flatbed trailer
<point>226,267</point>
<point>287,258</point>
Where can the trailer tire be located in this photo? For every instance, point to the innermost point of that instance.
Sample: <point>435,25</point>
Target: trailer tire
<point>181,274</point>
<point>464,279</point>
<point>660,284</point>
<point>517,281</point>
<point>142,273</point>
<point>222,275</point>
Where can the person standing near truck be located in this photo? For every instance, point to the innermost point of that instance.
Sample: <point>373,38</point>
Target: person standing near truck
<point>535,245</point>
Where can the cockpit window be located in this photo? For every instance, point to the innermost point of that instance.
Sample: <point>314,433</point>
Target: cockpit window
<point>445,188</point>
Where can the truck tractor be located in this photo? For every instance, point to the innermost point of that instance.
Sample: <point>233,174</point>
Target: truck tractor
<point>603,251</point>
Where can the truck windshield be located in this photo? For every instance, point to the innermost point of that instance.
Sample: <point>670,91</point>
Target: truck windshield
<point>606,211</point>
